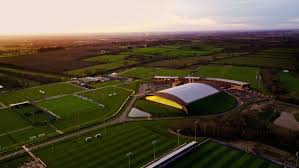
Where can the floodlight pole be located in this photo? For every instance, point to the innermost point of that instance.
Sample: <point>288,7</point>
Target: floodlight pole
<point>129,157</point>
<point>296,159</point>
<point>154,143</point>
<point>178,133</point>
<point>195,133</point>
<point>105,127</point>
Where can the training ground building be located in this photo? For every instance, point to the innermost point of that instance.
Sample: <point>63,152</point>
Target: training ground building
<point>215,82</point>
<point>182,96</point>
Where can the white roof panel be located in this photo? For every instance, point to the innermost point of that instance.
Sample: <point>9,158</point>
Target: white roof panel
<point>228,80</point>
<point>191,92</point>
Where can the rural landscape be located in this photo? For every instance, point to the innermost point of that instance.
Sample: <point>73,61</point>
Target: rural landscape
<point>95,105</point>
<point>149,84</point>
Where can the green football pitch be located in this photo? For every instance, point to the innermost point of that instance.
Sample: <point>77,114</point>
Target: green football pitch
<point>214,155</point>
<point>37,93</point>
<point>14,129</point>
<point>86,107</point>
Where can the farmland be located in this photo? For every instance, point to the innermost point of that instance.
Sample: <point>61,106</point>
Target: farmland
<point>12,78</point>
<point>208,156</point>
<point>34,93</point>
<point>258,62</point>
<point>245,74</point>
<point>148,73</point>
<point>176,51</point>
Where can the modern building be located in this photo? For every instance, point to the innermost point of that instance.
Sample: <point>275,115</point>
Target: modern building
<point>181,96</point>
<point>223,83</point>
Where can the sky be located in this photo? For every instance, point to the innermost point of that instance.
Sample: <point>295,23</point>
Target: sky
<point>101,16</point>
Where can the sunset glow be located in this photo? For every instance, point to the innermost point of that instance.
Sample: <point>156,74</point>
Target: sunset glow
<point>88,16</point>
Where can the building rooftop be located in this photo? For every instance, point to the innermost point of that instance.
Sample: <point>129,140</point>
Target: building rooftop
<point>191,92</point>
<point>169,77</point>
<point>228,81</point>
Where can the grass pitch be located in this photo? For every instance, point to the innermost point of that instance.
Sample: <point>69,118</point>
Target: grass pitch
<point>215,155</point>
<point>72,110</point>
<point>87,107</point>
<point>11,120</point>
<point>215,104</point>
<point>37,93</point>
<point>110,150</point>
<point>104,84</point>
<point>14,129</point>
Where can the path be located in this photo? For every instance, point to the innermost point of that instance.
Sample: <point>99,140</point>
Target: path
<point>33,156</point>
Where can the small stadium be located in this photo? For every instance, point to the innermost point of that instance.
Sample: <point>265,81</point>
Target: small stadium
<point>190,99</point>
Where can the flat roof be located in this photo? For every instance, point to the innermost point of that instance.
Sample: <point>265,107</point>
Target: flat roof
<point>191,92</point>
<point>169,77</point>
<point>229,81</point>
<point>170,155</point>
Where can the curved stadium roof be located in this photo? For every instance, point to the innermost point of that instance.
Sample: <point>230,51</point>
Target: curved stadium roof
<point>190,92</point>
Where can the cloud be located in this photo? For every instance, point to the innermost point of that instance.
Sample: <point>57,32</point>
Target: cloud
<point>194,21</point>
<point>294,20</point>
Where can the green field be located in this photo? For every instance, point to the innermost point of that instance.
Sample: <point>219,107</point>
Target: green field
<point>290,81</point>
<point>158,110</point>
<point>259,62</point>
<point>14,129</point>
<point>72,110</point>
<point>112,103</point>
<point>214,155</point>
<point>148,73</point>
<point>110,150</point>
<point>33,114</point>
<point>215,104</point>
<point>134,85</point>
<point>176,51</point>
<point>270,57</point>
<point>32,75</point>
<point>104,84</point>
<point>110,62</point>
<point>106,63</point>
<point>107,58</point>
<point>245,74</point>
<point>32,94</point>
<point>11,120</point>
